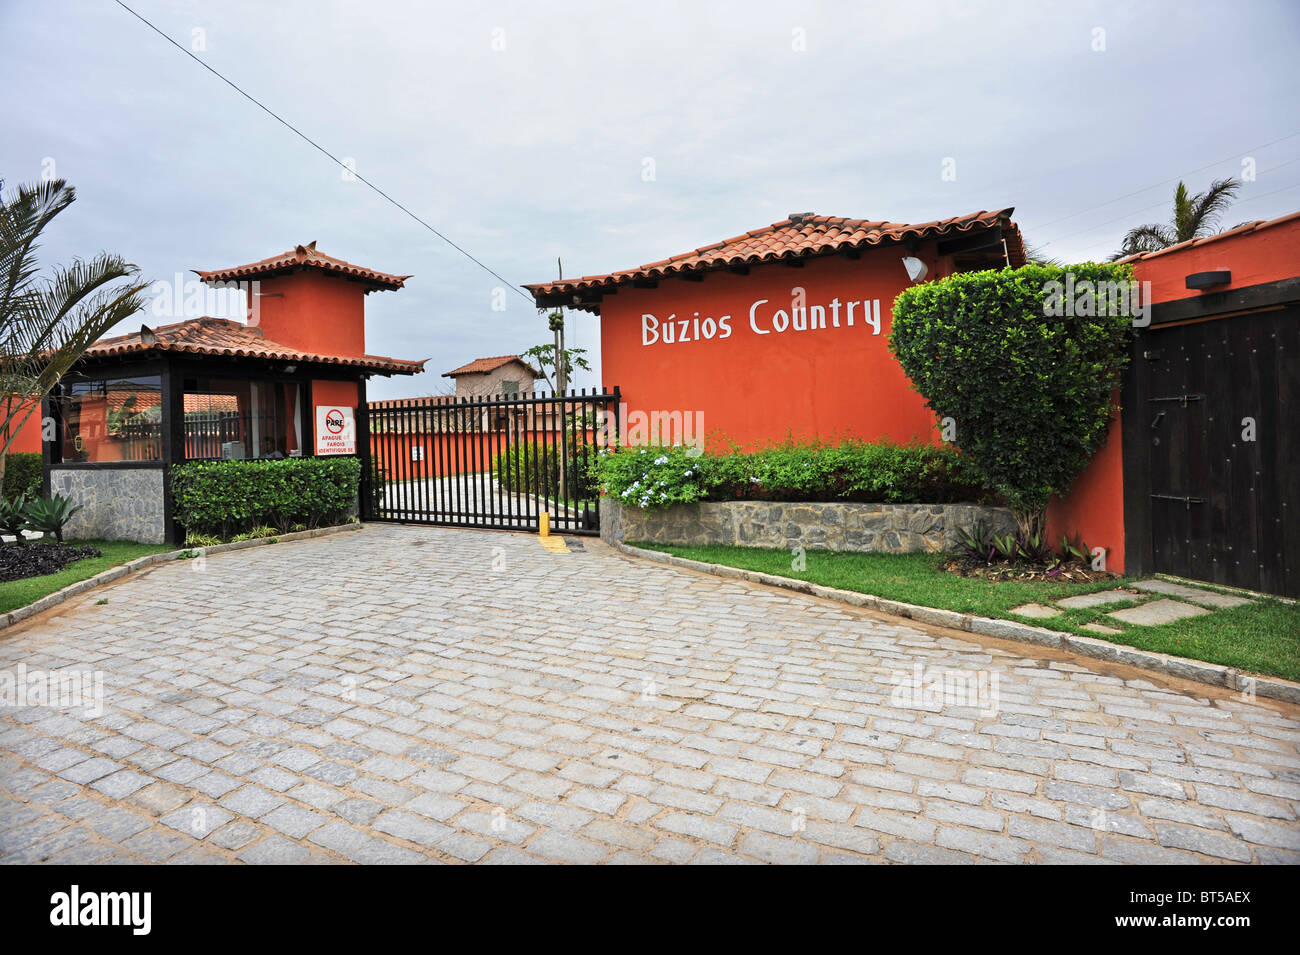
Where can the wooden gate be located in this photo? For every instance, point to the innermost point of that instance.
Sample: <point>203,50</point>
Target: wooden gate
<point>1217,403</point>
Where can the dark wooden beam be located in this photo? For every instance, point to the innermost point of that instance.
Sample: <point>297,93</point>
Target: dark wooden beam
<point>1263,295</point>
<point>693,276</point>
<point>969,243</point>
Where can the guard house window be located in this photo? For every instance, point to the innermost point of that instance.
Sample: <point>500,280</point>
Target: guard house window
<point>509,387</point>
<point>241,419</point>
<point>110,419</point>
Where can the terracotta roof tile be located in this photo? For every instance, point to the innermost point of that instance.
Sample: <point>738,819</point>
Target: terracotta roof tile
<point>304,256</point>
<point>798,236</point>
<point>481,366</point>
<point>227,338</point>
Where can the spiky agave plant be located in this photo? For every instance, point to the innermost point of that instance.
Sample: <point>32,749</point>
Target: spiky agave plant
<point>51,514</point>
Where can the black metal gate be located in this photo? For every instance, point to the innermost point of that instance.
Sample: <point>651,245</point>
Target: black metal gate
<point>1218,401</point>
<point>494,461</point>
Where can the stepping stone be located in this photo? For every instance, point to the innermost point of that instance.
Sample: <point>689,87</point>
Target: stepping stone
<point>1098,628</point>
<point>1207,597</point>
<point>1098,599</point>
<point>1036,610</point>
<point>1157,612</point>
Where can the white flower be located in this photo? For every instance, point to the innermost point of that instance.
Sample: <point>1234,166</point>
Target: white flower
<point>662,459</point>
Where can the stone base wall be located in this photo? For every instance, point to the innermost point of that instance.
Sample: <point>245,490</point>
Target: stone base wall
<point>885,528</point>
<point>124,504</point>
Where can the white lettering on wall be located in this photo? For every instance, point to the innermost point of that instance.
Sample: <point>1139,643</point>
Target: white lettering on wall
<point>799,317</point>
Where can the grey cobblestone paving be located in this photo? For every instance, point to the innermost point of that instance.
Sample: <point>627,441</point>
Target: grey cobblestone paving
<point>451,696</point>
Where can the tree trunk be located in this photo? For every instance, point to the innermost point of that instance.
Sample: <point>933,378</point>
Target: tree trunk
<point>1030,523</point>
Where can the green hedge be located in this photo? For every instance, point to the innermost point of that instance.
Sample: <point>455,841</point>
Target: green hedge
<point>23,471</point>
<point>1024,361</point>
<point>849,471</point>
<point>225,498</point>
<point>534,468</point>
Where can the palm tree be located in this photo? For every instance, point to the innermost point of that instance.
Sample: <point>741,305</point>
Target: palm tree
<point>47,323</point>
<point>1194,216</point>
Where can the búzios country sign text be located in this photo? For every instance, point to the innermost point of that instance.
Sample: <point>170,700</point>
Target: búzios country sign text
<point>764,319</point>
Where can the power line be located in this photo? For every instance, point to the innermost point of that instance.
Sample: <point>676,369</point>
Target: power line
<point>1162,182</point>
<point>1158,205</point>
<point>323,151</point>
<point>1264,195</point>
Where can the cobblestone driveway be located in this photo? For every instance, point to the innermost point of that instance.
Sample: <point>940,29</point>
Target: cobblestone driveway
<point>416,694</point>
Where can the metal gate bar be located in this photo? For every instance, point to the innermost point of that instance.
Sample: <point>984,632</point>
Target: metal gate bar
<point>492,461</point>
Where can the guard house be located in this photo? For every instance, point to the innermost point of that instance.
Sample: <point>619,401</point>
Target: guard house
<point>215,389</point>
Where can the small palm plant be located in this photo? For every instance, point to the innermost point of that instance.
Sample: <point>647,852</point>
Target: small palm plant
<point>50,514</point>
<point>1194,217</point>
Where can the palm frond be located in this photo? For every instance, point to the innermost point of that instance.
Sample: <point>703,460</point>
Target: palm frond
<point>1209,206</point>
<point>22,219</point>
<point>46,324</point>
<point>1145,238</point>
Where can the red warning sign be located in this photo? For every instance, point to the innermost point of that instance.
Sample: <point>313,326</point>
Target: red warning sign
<point>336,431</point>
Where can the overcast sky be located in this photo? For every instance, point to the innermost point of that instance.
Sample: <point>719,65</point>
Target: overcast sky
<point>525,131</point>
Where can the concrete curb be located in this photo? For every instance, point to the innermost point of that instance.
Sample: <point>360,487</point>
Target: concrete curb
<point>117,573</point>
<point>1211,673</point>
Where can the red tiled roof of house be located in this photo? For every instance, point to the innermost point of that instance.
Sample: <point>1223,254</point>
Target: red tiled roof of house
<point>304,256</point>
<point>797,236</point>
<point>196,402</point>
<point>227,338</point>
<point>481,366</point>
<point>1243,229</point>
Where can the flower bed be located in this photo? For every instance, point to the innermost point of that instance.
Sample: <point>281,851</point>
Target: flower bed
<point>877,473</point>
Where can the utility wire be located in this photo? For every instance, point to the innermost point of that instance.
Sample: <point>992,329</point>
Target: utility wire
<point>1263,195</point>
<point>323,151</point>
<point>1162,182</point>
<point>1162,204</point>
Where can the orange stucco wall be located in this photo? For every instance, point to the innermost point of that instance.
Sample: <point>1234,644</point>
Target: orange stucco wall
<point>28,438</point>
<point>755,386</point>
<point>318,313</point>
<point>1095,505</point>
<point>1266,255</point>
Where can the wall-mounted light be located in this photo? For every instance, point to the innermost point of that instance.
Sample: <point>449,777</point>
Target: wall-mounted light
<point>916,269</point>
<point>290,369</point>
<point>1204,280</point>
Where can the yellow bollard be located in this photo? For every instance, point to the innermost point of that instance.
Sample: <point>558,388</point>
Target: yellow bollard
<point>544,524</point>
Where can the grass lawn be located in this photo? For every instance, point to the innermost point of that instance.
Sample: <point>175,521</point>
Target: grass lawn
<point>1262,637</point>
<point>19,593</point>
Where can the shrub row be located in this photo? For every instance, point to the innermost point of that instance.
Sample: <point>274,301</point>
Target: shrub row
<point>23,472</point>
<point>225,498</point>
<point>534,468</point>
<point>850,471</point>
